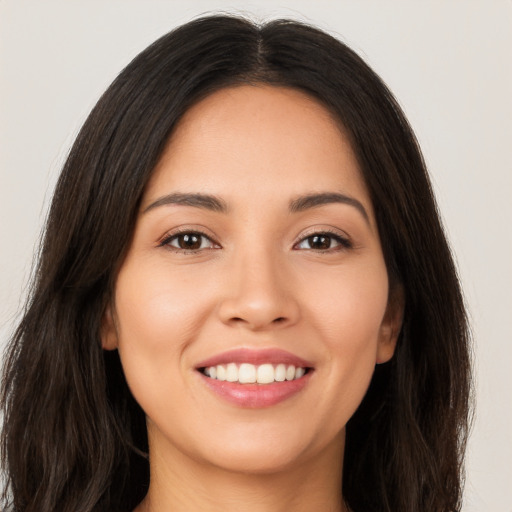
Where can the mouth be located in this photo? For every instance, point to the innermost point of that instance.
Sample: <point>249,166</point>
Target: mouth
<point>247,373</point>
<point>255,378</point>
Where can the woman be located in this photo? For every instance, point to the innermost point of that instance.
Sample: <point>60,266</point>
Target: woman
<point>245,299</point>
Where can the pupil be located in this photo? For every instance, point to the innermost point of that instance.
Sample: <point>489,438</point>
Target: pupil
<point>320,241</point>
<point>190,242</point>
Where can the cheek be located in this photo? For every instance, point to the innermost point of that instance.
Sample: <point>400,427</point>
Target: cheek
<point>351,335</point>
<point>348,319</point>
<point>158,308</point>
<point>158,315</point>
<point>348,306</point>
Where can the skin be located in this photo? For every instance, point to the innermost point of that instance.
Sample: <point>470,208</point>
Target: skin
<point>257,281</point>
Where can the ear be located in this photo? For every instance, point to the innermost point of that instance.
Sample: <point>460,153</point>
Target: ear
<point>108,333</point>
<point>391,324</point>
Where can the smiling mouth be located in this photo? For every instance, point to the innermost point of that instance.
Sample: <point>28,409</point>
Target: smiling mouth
<point>247,373</point>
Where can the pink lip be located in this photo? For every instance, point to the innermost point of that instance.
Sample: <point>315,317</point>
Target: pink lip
<point>256,357</point>
<point>256,395</point>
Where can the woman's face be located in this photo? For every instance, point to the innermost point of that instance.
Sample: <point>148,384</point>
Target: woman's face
<point>255,250</point>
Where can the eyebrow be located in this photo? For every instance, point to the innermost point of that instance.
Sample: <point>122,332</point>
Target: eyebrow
<point>216,204</point>
<point>308,201</point>
<point>204,201</point>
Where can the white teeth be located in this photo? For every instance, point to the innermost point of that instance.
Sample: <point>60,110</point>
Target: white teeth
<point>280,372</point>
<point>232,372</point>
<point>265,374</point>
<point>249,373</point>
<point>221,372</point>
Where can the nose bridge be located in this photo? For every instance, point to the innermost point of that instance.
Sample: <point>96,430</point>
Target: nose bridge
<point>258,294</point>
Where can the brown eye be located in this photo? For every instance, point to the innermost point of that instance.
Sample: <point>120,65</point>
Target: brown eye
<point>324,242</point>
<point>319,242</point>
<point>189,242</point>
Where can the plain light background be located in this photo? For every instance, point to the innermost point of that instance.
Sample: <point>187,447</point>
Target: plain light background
<point>449,64</point>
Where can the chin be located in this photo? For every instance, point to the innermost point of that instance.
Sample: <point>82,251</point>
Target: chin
<point>258,460</point>
<point>270,451</point>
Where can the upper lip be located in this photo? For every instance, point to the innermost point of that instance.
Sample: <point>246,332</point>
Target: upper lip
<point>256,357</point>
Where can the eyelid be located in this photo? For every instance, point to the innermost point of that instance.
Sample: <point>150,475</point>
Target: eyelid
<point>340,236</point>
<point>182,230</point>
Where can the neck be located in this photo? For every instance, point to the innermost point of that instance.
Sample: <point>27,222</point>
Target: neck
<point>180,484</point>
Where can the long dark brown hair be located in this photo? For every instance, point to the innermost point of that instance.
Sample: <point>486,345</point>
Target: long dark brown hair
<point>74,439</point>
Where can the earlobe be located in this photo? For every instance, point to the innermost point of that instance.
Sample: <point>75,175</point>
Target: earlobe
<point>391,325</point>
<point>109,338</point>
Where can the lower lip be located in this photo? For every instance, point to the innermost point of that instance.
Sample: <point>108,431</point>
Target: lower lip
<point>256,395</point>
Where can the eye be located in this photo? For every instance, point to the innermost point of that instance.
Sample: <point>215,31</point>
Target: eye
<point>189,241</point>
<point>324,242</point>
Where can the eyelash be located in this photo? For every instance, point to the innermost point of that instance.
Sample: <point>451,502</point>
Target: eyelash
<point>174,236</point>
<point>343,242</point>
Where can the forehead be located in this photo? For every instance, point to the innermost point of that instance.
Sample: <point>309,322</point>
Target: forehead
<point>261,141</point>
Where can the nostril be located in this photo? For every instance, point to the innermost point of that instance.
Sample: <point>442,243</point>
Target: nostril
<point>279,320</point>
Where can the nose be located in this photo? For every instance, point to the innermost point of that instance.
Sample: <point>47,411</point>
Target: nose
<point>258,294</point>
